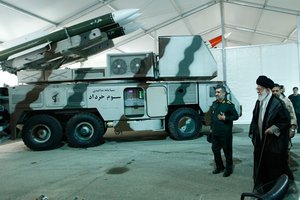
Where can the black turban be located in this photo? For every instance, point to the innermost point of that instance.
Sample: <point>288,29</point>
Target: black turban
<point>265,82</point>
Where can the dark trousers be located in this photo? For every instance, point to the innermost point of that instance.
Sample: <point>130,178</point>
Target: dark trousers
<point>222,142</point>
<point>298,122</point>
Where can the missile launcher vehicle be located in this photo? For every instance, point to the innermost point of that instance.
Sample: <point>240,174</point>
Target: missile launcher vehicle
<point>171,92</point>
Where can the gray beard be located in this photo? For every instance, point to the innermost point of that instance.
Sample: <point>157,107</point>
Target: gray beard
<point>262,96</point>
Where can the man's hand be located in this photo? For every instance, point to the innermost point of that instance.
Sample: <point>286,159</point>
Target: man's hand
<point>273,130</point>
<point>269,131</point>
<point>221,116</point>
<point>292,132</point>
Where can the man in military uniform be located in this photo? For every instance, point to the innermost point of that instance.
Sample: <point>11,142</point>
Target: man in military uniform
<point>295,99</point>
<point>223,115</point>
<point>289,106</point>
<point>276,90</point>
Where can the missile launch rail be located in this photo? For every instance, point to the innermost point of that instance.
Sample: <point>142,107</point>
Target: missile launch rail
<point>171,92</point>
<point>70,44</point>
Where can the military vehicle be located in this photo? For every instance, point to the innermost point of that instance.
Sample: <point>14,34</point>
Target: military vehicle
<point>171,91</point>
<point>4,114</point>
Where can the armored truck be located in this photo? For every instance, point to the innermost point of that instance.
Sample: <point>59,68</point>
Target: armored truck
<point>171,92</point>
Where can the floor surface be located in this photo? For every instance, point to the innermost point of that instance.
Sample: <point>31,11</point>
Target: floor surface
<point>131,166</point>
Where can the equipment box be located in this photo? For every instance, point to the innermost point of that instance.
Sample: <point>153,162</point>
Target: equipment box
<point>58,75</point>
<point>133,65</point>
<point>30,76</point>
<point>185,57</point>
<point>88,73</point>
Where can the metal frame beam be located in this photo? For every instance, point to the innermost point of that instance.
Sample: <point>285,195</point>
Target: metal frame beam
<point>181,16</point>
<point>209,30</point>
<point>25,12</point>
<point>179,12</point>
<point>90,8</point>
<point>266,7</point>
<point>290,35</point>
<point>238,42</point>
<point>235,27</point>
<point>166,23</point>
<point>259,18</point>
<point>240,28</point>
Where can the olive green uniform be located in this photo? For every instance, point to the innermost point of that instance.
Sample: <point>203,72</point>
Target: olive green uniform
<point>295,99</point>
<point>222,132</point>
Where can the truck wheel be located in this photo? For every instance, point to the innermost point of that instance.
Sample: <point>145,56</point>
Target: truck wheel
<point>184,123</point>
<point>42,132</point>
<point>85,130</point>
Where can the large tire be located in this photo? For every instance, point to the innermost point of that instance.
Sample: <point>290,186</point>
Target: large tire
<point>184,123</point>
<point>42,132</point>
<point>85,130</point>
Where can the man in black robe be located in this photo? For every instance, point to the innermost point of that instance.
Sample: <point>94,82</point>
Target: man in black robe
<point>269,130</point>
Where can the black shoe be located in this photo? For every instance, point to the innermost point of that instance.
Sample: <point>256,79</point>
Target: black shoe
<point>218,170</point>
<point>227,173</point>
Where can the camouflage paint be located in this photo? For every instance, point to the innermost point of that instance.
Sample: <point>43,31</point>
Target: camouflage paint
<point>52,56</point>
<point>189,52</point>
<point>183,70</point>
<point>150,64</point>
<point>185,58</point>
<point>122,124</point>
<point>77,90</point>
<point>163,43</point>
<point>24,105</point>
<point>74,43</point>
<point>180,92</point>
<point>65,33</point>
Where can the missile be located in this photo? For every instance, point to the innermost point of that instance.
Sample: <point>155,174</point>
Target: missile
<point>129,19</point>
<point>102,23</point>
<point>70,44</point>
<point>123,30</point>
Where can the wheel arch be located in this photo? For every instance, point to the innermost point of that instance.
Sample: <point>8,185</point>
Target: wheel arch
<point>66,114</point>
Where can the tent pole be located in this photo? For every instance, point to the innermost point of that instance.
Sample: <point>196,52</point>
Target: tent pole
<point>298,28</point>
<point>223,42</point>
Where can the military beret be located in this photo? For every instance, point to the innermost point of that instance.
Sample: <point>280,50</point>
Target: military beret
<point>265,82</point>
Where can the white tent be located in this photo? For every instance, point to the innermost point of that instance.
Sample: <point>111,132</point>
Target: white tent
<point>263,37</point>
<point>251,22</point>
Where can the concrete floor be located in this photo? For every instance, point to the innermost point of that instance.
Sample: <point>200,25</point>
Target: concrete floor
<point>132,166</point>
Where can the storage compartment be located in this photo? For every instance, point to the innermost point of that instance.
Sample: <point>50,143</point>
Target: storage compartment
<point>134,102</point>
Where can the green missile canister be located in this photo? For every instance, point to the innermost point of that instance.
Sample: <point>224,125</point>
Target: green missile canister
<point>103,22</point>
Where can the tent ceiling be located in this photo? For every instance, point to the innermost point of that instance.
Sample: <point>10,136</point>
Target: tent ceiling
<point>250,22</point>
